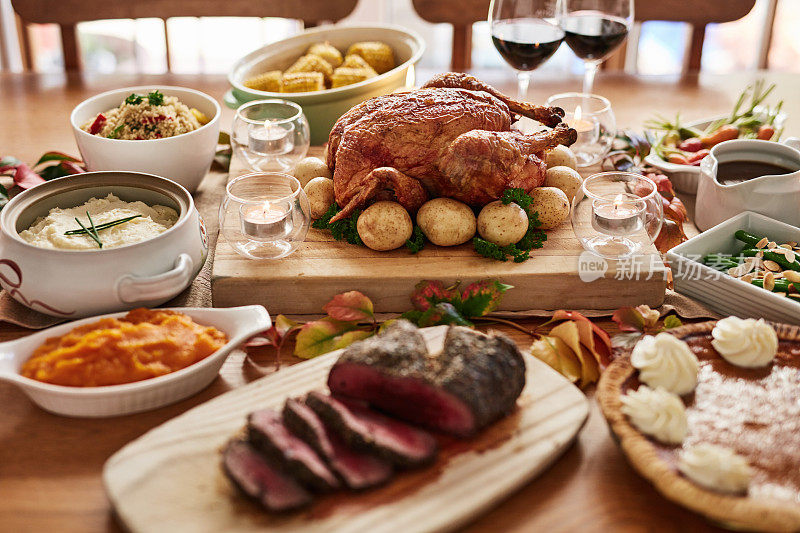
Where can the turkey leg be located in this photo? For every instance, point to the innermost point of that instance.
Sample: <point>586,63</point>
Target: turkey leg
<point>549,116</point>
<point>384,183</point>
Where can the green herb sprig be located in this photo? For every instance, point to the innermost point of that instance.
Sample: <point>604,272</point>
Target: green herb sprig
<point>520,251</point>
<point>114,134</point>
<point>92,230</point>
<point>417,240</point>
<point>342,230</point>
<point>134,99</point>
<point>155,98</point>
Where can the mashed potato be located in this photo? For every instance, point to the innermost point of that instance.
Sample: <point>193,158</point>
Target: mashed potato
<point>49,232</point>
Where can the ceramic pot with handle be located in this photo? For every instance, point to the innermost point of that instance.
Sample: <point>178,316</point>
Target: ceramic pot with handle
<point>776,196</point>
<point>78,283</point>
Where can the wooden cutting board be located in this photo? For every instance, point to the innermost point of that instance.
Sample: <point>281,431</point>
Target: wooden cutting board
<point>322,267</point>
<point>170,478</point>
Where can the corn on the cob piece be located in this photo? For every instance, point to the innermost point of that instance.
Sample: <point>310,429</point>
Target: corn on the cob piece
<point>356,61</point>
<point>379,55</point>
<point>269,81</point>
<point>300,82</point>
<point>311,63</point>
<point>327,52</point>
<point>346,76</point>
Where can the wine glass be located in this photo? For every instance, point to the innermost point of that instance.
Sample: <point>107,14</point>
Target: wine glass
<point>594,29</point>
<point>526,34</point>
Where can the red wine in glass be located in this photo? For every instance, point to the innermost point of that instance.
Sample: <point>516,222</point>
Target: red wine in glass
<point>526,33</point>
<point>592,36</point>
<point>594,29</point>
<point>526,44</point>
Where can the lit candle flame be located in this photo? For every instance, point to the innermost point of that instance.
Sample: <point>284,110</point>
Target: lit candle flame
<point>618,201</point>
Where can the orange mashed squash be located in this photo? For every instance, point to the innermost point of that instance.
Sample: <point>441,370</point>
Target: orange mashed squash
<point>143,344</point>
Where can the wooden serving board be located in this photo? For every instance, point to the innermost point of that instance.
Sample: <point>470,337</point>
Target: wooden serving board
<point>322,267</point>
<point>170,478</point>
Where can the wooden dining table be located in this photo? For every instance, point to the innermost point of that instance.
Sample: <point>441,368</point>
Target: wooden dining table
<point>50,466</point>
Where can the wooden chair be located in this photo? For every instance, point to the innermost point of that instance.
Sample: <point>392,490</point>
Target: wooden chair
<point>463,13</point>
<point>68,14</point>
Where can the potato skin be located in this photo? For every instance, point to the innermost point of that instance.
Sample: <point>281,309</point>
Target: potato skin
<point>552,206</point>
<point>446,222</point>
<point>564,178</point>
<point>309,168</point>
<point>384,226</point>
<point>561,156</point>
<point>502,224</point>
<point>320,196</point>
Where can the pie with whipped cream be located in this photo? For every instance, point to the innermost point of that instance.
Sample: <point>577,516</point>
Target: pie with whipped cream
<point>710,414</point>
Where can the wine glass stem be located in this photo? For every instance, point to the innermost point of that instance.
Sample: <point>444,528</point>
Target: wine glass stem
<point>523,81</point>
<point>588,76</point>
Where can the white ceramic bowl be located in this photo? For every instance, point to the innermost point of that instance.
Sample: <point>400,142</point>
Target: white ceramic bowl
<point>239,323</point>
<point>76,283</point>
<point>323,108</point>
<point>686,178</point>
<point>720,292</point>
<point>184,159</point>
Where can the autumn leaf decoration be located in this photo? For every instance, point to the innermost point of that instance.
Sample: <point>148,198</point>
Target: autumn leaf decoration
<point>575,347</point>
<point>50,166</point>
<point>434,304</point>
<point>634,322</point>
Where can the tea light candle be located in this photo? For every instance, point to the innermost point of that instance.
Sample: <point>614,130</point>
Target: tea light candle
<point>620,217</point>
<point>588,130</point>
<point>266,221</point>
<point>270,138</point>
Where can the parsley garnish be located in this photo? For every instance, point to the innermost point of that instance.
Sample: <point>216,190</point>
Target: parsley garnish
<point>114,134</point>
<point>534,238</point>
<point>134,99</point>
<point>417,240</point>
<point>155,98</point>
<point>342,230</point>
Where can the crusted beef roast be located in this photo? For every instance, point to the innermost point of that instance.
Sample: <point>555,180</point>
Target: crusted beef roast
<point>261,480</point>
<point>358,470</point>
<point>367,430</point>
<point>268,434</point>
<point>475,380</point>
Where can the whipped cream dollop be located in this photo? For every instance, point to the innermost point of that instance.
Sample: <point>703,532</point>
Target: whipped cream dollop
<point>715,467</point>
<point>748,343</point>
<point>665,361</point>
<point>657,412</point>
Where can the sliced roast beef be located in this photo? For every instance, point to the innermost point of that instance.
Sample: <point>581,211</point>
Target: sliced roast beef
<point>475,380</point>
<point>367,430</point>
<point>260,479</point>
<point>269,435</point>
<point>358,470</point>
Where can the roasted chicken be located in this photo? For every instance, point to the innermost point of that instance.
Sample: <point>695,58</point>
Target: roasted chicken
<point>450,138</point>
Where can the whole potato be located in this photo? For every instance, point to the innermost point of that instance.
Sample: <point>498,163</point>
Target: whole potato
<point>310,168</point>
<point>551,204</point>
<point>320,195</point>
<point>561,156</point>
<point>564,178</point>
<point>502,224</point>
<point>446,222</point>
<point>384,226</point>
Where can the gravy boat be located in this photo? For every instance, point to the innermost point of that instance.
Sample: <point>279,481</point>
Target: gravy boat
<point>775,196</point>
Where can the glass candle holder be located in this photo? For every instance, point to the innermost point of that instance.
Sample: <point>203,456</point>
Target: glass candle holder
<point>270,135</point>
<point>591,116</point>
<point>264,215</point>
<point>617,214</point>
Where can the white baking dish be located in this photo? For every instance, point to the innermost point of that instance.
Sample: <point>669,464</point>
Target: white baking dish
<point>725,294</point>
<point>239,323</point>
<point>77,283</point>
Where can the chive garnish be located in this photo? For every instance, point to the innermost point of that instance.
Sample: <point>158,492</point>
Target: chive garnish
<point>92,235</point>
<point>100,227</point>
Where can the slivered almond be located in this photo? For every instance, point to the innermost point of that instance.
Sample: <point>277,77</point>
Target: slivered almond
<point>772,265</point>
<point>769,281</point>
<point>747,278</point>
<point>779,293</point>
<point>734,271</point>
<point>788,246</point>
<point>778,275</point>
<point>759,254</point>
<point>792,276</point>
<point>795,296</point>
<point>792,244</point>
<point>762,243</point>
<point>772,245</point>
